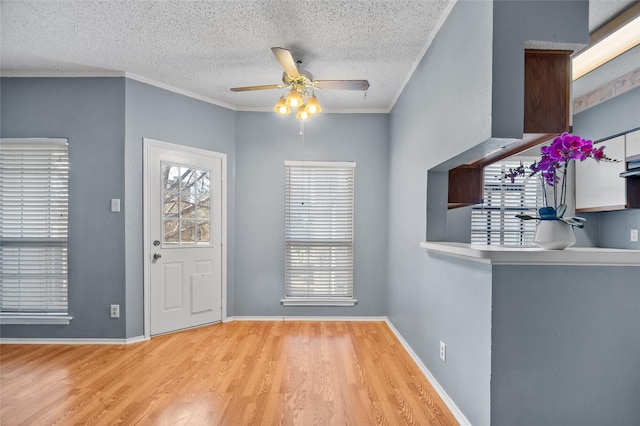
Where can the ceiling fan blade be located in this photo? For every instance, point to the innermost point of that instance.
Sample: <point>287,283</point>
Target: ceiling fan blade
<point>342,84</point>
<point>265,87</point>
<point>286,61</point>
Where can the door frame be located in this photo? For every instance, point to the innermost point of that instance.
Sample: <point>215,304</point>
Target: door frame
<point>147,249</point>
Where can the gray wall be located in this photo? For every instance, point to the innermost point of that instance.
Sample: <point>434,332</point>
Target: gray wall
<point>565,345</point>
<point>620,114</point>
<point>105,120</point>
<point>518,21</point>
<point>454,78</point>
<point>170,117</point>
<point>263,142</point>
<point>467,88</point>
<point>614,116</point>
<point>90,113</point>
<point>463,295</point>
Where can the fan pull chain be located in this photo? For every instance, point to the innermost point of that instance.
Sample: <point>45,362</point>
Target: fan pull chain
<point>306,175</point>
<point>302,137</point>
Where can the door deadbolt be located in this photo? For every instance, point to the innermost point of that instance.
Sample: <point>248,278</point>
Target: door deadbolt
<point>156,243</point>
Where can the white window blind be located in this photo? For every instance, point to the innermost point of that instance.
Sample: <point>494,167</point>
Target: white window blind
<point>494,222</point>
<point>319,210</point>
<point>34,176</point>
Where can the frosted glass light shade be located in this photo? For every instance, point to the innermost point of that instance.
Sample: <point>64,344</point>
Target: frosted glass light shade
<point>294,100</point>
<point>281,107</point>
<point>313,106</point>
<point>303,114</point>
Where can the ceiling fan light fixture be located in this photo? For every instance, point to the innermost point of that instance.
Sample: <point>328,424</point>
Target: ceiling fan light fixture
<point>303,114</point>
<point>294,99</point>
<point>299,86</point>
<point>313,106</point>
<point>281,107</point>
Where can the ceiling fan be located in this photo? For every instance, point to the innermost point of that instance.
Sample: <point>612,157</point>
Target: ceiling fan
<point>300,85</point>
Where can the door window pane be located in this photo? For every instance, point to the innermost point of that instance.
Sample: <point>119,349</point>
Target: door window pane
<point>170,232</point>
<point>171,175</point>
<point>171,206</point>
<point>187,231</point>
<point>186,197</point>
<point>187,206</point>
<point>202,232</point>
<point>203,210</point>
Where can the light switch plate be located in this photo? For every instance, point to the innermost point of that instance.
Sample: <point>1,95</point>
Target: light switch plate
<point>115,205</point>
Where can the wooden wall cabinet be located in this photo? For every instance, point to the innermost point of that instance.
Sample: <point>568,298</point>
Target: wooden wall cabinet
<point>547,83</point>
<point>466,186</point>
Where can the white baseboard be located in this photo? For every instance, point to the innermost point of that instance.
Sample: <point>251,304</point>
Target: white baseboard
<point>68,341</point>
<point>457,413</point>
<point>310,318</point>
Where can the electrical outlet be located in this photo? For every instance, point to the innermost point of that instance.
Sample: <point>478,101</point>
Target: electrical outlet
<point>633,235</point>
<point>115,205</point>
<point>115,311</point>
<point>443,351</point>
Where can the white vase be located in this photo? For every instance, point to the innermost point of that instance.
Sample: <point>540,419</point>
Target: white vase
<point>554,235</point>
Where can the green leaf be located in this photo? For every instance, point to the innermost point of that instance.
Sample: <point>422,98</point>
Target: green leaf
<point>578,222</point>
<point>526,217</point>
<point>562,208</point>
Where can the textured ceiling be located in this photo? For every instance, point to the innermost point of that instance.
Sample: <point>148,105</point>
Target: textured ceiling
<point>206,47</point>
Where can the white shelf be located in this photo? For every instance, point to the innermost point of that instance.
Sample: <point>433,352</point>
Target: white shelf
<point>499,255</point>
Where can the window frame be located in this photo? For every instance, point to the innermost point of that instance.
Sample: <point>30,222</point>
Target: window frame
<point>55,235</point>
<point>291,299</point>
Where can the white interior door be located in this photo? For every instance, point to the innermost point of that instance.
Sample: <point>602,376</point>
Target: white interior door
<point>184,206</point>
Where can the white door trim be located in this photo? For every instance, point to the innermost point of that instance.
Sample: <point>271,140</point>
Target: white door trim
<point>146,232</point>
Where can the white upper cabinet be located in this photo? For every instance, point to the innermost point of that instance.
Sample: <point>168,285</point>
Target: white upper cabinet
<point>599,186</point>
<point>632,143</point>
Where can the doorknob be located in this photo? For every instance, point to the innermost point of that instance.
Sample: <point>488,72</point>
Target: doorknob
<point>156,256</point>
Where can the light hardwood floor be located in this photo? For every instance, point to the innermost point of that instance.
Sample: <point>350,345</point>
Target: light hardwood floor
<point>239,373</point>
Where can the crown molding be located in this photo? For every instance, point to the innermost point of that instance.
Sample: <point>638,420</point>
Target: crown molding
<point>179,91</point>
<point>173,89</point>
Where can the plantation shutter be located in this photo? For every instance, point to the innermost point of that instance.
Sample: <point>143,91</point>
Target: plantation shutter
<point>494,222</point>
<point>34,176</point>
<point>319,209</point>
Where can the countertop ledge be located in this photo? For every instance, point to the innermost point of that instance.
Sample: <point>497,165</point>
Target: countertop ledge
<point>499,255</point>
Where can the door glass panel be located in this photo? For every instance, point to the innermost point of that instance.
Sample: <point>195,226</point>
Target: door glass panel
<point>203,210</point>
<point>186,197</point>
<point>203,185</point>
<point>171,175</point>
<point>187,205</point>
<point>187,179</point>
<point>187,231</point>
<point>170,232</point>
<point>202,231</point>
<point>170,208</point>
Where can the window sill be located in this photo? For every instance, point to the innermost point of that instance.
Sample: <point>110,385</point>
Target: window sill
<point>8,319</point>
<point>318,301</point>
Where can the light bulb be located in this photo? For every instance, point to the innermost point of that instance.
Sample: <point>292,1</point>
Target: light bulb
<point>313,106</point>
<point>294,99</point>
<point>303,114</point>
<point>281,107</point>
